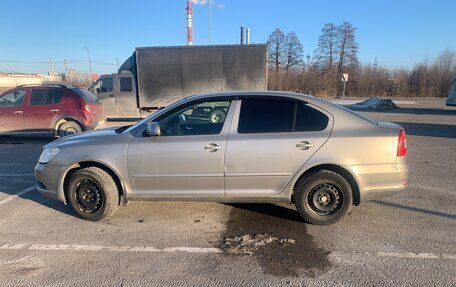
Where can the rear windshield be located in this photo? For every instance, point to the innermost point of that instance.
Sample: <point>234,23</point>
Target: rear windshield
<point>86,95</point>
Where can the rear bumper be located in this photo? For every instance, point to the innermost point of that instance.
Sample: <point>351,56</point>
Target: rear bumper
<point>377,181</point>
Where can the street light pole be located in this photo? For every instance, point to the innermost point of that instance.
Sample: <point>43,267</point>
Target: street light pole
<point>90,63</point>
<point>210,20</point>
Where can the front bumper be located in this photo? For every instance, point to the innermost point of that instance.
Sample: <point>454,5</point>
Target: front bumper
<point>48,180</point>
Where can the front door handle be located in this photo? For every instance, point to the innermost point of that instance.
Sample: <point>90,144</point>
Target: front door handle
<point>212,147</point>
<point>304,145</point>
<point>55,111</point>
<point>18,112</point>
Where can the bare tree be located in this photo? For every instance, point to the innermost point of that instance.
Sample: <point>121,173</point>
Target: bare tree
<point>347,47</point>
<point>276,49</point>
<point>293,52</point>
<point>327,50</point>
<point>348,50</point>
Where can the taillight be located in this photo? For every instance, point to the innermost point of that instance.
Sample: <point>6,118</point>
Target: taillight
<point>87,108</point>
<point>402,144</point>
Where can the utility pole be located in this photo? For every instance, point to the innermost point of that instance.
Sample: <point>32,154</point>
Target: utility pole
<point>308,61</point>
<point>65,63</point>
<point>117,62</point>
<point>51,67</point>
<point>90,63</point>
<point>210,20</point>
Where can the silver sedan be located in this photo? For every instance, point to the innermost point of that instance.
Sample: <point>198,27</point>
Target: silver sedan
<point>231,147</point>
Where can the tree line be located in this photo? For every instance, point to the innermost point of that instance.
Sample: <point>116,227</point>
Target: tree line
<point>336,54</point>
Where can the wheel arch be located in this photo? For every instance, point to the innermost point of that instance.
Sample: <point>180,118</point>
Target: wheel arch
<point>63,119</point>
<point>338,169</point>
<point>83,164</point>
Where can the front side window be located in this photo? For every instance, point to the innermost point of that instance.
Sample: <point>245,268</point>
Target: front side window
<point>279,116</point>
<point>103,86</point>
<point>203,118</point>
<point>45,97</point>
<point>13,99</point>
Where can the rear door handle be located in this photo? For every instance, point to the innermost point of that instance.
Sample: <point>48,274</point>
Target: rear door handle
<point>18,112</point>
<point>212,147</point>
<point>55,110</point>
<point>304,145</point>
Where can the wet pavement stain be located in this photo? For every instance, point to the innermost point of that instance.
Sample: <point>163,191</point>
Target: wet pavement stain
<point>302,257</point>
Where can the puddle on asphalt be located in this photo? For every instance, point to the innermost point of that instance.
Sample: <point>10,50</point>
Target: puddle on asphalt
<point>276,237</point>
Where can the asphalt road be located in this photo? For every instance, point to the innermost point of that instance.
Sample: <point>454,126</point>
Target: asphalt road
<point>409,239</point>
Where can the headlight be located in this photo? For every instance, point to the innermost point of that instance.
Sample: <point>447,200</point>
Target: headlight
<point>49,154</point>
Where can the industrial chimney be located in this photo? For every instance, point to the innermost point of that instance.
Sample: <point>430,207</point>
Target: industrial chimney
<point>242,35</point>
<point>247,36</point>
<point>189,23</point>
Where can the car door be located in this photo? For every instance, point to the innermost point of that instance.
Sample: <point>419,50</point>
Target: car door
<point>187,159</point>
<point>12,111</point>
<point>269,140</point>
<point>43,106</point>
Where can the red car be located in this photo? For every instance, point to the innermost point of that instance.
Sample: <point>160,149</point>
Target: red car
<point>58,109</point>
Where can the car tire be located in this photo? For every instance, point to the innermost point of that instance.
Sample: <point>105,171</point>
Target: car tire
<point>93,194</point>
<point>323,197</point>
<point>217,116</point>
<point>69,128</point>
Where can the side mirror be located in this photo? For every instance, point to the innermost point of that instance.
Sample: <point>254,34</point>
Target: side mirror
<point>153,129</point>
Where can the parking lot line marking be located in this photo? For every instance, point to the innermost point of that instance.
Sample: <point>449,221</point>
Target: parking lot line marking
<point>206,250</point>
<point>110,248</point>
<point>8,199</point>
<point>16,174</point>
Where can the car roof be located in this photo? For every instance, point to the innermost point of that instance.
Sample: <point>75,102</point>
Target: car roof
<point>65,86</point>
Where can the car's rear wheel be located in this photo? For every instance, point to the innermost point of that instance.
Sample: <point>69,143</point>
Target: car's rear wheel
<point>69,128</point>
<point>323,197</point>
<point>93,194</point>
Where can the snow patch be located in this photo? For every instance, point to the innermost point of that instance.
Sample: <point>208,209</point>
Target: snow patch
<point>375,104</point>
<point>250,243</point>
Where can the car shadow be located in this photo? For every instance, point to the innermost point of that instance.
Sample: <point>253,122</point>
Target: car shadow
<point>429,130</point>
<point>416,209</point>
<point>269,209</point>
<point>56,205</point>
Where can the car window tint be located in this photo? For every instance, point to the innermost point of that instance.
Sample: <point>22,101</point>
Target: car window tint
<point>309,119</point>
<point>86,95</point>
<point>13,99</point>
<point>203,118</point>
<point>126,85</point>
<point>45,97</point>
<point>266,116</point>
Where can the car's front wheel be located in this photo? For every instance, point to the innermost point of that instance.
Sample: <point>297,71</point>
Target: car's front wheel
<point>93,194</point>
<point>323,197</point>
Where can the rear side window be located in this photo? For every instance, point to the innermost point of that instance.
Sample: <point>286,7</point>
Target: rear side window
<point>45,97</point>
<point>266,116</point>
<point>126,85</point>
<point>309,119</point>
<point>276,116</point>
<point>86,95</point>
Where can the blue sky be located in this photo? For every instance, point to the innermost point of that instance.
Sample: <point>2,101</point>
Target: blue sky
<point>399,33</point>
